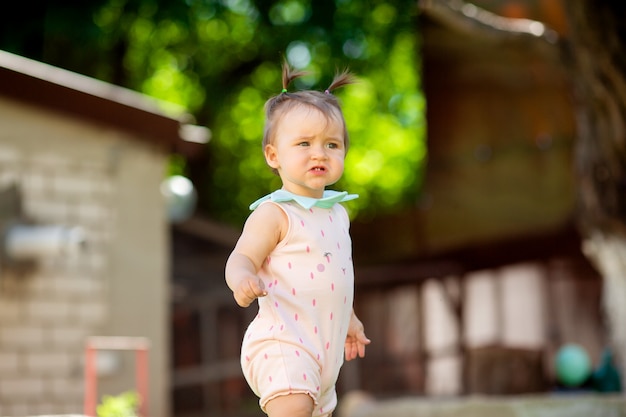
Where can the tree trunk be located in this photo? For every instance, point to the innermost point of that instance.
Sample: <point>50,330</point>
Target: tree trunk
<point>597,48</point>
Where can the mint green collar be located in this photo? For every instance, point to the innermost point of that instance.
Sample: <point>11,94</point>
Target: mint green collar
<point>327,201</point>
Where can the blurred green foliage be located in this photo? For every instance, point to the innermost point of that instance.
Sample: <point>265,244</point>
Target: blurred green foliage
<point>220,60</point>
<point>122,405</point>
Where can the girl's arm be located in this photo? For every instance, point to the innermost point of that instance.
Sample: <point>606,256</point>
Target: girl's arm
<point>263,230</point>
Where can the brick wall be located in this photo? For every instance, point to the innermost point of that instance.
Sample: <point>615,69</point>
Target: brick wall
<point>46,315</point>
<point>73,173</point>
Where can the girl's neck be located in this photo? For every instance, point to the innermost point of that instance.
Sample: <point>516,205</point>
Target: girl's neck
<point>309,195</point>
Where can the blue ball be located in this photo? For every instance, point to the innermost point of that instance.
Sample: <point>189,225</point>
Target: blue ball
<point>573,366</point>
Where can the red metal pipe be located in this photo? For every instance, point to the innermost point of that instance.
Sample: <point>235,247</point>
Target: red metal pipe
<point>141,358</point>
<point>140,345</point>
<point>91,382</point>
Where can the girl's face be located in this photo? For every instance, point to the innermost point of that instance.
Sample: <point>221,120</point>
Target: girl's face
<point>307,150</point>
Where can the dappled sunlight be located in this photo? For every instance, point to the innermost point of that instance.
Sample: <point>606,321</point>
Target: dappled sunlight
<point>298,54</point>
<point>289,12</point>
<point>221,61</point>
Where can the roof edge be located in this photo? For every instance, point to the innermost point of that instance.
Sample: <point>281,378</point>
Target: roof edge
<point>84,97</point>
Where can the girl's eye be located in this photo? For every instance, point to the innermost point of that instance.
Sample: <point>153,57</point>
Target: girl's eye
<point>333,145</point>
<point>303,144</point>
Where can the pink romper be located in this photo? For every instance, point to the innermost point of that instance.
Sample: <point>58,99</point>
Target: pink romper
<point>296,342</point>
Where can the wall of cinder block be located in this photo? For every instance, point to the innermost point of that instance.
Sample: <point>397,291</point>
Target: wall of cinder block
<point>73,173</point>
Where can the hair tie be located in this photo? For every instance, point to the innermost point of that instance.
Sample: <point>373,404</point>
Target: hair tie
<point>284,90</point>
<point>326,91</point>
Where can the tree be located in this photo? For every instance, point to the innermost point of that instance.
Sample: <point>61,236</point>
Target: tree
<point>220,60</point>
<point>597,48</point>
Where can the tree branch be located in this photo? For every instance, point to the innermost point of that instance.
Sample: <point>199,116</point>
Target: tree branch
<point>469,19</point>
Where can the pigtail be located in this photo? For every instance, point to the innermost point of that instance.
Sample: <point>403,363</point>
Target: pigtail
<point>325,102</point>
<point>341,78</point>
<point>289,75</point>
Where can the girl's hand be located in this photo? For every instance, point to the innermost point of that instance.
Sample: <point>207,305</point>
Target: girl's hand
<point>249,290</point>
<point>356,339</point>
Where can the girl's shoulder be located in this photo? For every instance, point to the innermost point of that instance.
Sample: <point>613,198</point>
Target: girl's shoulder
<point>268,211</point>
<point>269,216</point>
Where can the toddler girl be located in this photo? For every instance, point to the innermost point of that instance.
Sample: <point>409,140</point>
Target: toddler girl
<point>295,256</point>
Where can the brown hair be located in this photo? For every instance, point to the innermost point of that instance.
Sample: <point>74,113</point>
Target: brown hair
<point>277,106</point>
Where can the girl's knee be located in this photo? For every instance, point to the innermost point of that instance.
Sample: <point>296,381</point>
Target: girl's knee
<point>290,405</point>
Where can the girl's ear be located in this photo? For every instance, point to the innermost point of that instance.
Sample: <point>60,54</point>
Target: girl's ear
<point>271,156</point>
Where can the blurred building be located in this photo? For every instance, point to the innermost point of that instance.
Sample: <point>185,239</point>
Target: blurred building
<point>476,288</point>
<point>79,154</point>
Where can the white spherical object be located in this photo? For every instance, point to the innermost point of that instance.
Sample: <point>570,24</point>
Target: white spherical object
<point>180,197</point>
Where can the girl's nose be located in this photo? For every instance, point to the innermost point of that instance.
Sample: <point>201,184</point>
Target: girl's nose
<point>318,152</point>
